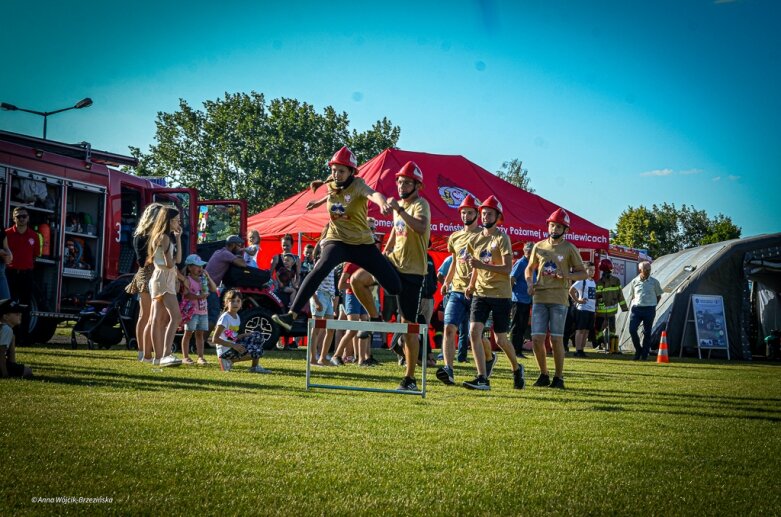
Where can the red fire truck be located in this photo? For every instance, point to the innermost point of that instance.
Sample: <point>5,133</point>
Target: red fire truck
<point>75,195</point>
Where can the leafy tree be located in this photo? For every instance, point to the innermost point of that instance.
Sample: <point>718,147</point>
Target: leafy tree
<point>242,146</point>
<point>513,172</point>
<point>666,229</point>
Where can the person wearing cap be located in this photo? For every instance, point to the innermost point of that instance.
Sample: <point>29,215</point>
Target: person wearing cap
<point>490,257</point>
<point>197,288</point>
<point>557,263</point>
<point>218,265</point>
<point>10,317</point>
<point>406,250</point>
<point>347,237</point>
<point>454,284</point>
<point>522,302</point>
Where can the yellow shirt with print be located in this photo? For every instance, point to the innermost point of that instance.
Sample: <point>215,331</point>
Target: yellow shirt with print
<point>349,213</point>
<point>490,249</point>
<point>457,245</point>
<point>552,259</point>
<point>409,253</point>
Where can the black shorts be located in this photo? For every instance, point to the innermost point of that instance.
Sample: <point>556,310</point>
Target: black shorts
<point>409,297</point>
<point>499,308</point>
<point>584,320</point>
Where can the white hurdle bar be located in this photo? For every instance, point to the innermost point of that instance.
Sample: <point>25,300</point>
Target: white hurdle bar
<point>371,326</point>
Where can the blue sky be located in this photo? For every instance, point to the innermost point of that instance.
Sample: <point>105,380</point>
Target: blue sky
<point>609,104</point>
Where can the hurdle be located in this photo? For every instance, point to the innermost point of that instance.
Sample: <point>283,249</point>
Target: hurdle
<point>371,326</point>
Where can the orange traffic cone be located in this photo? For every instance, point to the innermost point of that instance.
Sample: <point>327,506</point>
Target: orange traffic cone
<point>661,355</point>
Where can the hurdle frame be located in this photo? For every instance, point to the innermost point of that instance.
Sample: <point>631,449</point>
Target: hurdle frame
<point>371,326</point>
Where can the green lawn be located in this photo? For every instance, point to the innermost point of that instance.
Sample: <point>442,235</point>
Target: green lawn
<point>692,437</point>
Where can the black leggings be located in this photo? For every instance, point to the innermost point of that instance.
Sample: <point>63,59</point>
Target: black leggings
<point>334,253</point>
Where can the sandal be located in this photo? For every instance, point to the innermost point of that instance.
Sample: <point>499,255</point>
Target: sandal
<point>201,362</point>
<point>187,360</point>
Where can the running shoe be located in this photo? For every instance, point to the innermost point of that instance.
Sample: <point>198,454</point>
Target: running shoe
<point>542,381</point>
<point>518,381</point>
<point>226,365</point>
<point>258,369</point>
<point>489,365</point>
<point>407,384</point>
<point>557,383</point>
<point>479,383</point>
<point>170,360</point>
<point>445,375</point>
<point>283,320</point>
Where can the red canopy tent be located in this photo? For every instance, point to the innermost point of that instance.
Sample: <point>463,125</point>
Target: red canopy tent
<point>448,179</point>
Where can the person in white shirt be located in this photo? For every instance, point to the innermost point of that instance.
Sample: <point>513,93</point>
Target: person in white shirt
<point>644,293</point>
<point>584,294</point>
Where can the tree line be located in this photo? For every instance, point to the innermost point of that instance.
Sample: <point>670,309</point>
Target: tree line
<point>243,146</point>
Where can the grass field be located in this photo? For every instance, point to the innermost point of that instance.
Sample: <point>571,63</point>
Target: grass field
<point>693,437</point>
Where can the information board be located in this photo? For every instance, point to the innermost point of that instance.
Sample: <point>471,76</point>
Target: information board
<point>709,320</point>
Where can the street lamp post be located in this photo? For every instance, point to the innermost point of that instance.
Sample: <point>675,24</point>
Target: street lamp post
<point>83,103</point>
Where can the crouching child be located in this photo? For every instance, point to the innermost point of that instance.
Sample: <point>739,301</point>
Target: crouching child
<point>232,346</point>
<point>10,317</point>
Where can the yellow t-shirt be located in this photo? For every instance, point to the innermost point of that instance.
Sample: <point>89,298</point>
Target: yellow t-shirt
<point>490,249</point>
<point>348,212</point>
<point>457,245</point>
<point>409,250</point>
<point>551,259</point>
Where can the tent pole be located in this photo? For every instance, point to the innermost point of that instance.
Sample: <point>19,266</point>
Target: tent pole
<point>299,245</point>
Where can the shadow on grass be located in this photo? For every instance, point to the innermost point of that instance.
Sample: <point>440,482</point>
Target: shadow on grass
<point>90,377</point>
<point>669,403</point>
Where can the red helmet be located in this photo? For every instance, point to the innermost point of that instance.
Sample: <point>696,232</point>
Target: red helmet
<point>606,265</point>
<point>559,216</point>
<point>492,202</point>
<point>344,156</point>
<point>412,171</point>
<point>468,202</point>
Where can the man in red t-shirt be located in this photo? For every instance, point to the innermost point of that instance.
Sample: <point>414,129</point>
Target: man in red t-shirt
<point>25,246</point>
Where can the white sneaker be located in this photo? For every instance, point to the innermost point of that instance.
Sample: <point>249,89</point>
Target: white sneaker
<point>226,365</point>
<point>258,369</point>
<point>170,360</point>
<point>150,360</point>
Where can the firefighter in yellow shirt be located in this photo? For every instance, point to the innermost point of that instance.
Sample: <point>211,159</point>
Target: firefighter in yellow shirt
<point>455,283</point>
<point>490,257</point>
<point>407,251</point>
<point>348,237</point>
<point>557,263</point>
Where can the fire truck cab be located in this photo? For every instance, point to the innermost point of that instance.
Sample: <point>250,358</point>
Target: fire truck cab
<point>84,211</point>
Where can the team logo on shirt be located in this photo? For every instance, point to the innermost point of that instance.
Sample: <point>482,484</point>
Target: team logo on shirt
<point>462,255</point>
<point>561,258</point>
<point>401,227</point>
<point>549,268</point>
<point>485,256</point>
<point>347,198</point>
<point>338,211</point>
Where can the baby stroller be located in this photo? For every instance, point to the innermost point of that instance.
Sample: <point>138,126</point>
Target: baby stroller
<point>108,318</point>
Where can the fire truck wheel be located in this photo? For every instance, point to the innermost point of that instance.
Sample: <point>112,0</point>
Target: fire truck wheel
<point>258,319</point>
<point>44,330</point>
